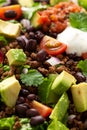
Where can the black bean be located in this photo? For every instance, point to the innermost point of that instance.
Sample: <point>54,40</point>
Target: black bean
<point>39,35</point>
<point>10,14</point>
<point>31,45</point>
<point>25,23</point>
<point>80,77</point>
<point>32,112</point>
<point>31,35</point>
<point>30,28</point>
<point>26,104</point>
<point>24,92</point>
<point>22,41</point>
<point>21,110</point>
<point>36,120</point>
<point>41,55</point>
<point>31,97</point>
<point>20,100</point>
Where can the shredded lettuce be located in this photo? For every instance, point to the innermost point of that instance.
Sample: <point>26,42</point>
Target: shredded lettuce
<point>28,12</point>
<point>57,125</point>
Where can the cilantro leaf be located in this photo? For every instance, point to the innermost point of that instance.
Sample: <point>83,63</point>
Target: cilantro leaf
<point>78,20</point>
<point>32,78</point>
<point>83,66</point>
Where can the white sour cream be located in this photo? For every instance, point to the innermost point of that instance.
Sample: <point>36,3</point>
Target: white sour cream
<point>75,39</point>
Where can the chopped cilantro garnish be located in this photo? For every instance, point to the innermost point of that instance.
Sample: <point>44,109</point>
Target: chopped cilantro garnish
<point>78,20</point>
<point>83,66</point>
<point>32,78</point>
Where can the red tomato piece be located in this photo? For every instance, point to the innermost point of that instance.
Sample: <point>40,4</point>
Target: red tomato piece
<point>44,110</point>
<point>52,46</point>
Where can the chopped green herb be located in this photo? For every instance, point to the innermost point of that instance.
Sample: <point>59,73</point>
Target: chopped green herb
<point>33,77</point>
<point>83,66</point>
<point>78,20</point>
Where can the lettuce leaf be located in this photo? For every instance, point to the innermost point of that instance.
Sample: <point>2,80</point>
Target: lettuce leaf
<point>28,12</point>
<point>44,90</point>
<point>57,125</point>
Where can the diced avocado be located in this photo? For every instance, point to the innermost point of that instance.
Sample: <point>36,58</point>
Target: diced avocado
<point>26,3</point>
<point>35,20</point>
<point>9,91</point>
<point>10,29</point>
<point>79,94</point>
<point>16,57</point>
<point>53,2</point>
<point>60,108</point>
<point>63,82</point>
<point>57,125</point>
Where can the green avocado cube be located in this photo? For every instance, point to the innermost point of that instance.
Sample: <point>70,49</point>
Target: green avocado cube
<point>63,82</point>
<point>16,57</point>
<point>9,91</point>
<point>26,3</point>
<point>79,94</point>
<point>10,29</point>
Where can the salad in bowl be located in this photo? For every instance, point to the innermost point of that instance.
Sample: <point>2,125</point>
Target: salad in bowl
<point>43,65</point>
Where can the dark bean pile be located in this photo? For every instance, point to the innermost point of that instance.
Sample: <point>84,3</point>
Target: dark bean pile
<point>29,41</point>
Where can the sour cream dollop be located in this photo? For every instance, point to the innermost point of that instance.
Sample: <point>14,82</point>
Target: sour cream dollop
<point>75,39</point>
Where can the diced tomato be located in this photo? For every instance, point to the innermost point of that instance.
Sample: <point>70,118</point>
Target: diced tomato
<point>44,110</point>
<point>52,46</point>
<point>43,19</point>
